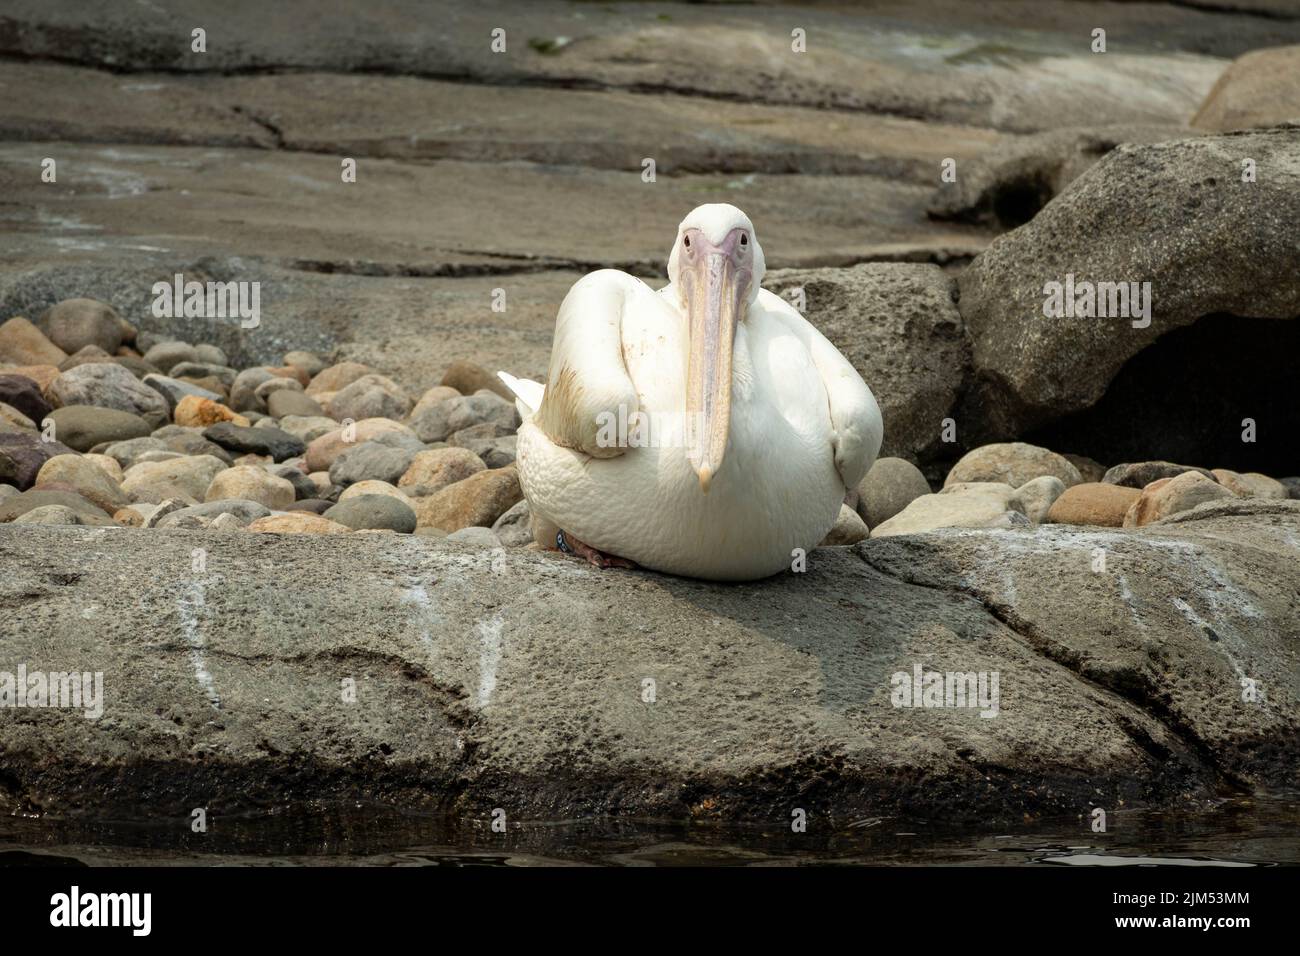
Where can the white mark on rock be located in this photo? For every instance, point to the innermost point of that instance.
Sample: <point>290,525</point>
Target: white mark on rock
<point>418,596</point>
<point>188,606</point>
<point>489,656</point>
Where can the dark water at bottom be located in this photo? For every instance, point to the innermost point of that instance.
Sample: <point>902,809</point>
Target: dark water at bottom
<point>1259,831</point>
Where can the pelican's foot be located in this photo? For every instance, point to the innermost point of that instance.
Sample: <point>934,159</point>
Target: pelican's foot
<point>570,545</point>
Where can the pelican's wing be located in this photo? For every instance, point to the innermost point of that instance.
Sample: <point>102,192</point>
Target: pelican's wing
<point>587,382</point>
<point>855,417</point>
<point>528,394</point>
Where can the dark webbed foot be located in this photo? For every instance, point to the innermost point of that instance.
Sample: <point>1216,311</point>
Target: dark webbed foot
<point>570,545</point>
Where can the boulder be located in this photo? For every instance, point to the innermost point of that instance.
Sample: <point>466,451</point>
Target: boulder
<point>1260,88</point>
<point>87,478</point>
<point>1012,463</point>
<point>478,500</point>
<point>23,455</point>
<point>438,422</point>
<point>431,471</point>
<point>1142,473</point>
<point>261,440</point>
<point>1168,496</point>
<point>898,324</point>
<point>185,479</point>
<point>1251,484</point>
<point>468,378</point>
<point>1176,215</point>
<point>84,426</point>
<point>380,511</point>
<point>514,529</point>
<point>250,483</point>
<point>371,461</point>
<point>74,324</point>
<point>890,486</point>
<point>1093,503</point>
<point>964,505</point>
<point>297,522</point>
<point>22,343</point>
<point>848,529</point>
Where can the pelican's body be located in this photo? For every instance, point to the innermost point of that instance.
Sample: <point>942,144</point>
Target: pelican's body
<point>784,430</point>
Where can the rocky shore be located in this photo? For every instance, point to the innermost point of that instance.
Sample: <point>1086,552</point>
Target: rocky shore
<point>238,523</point>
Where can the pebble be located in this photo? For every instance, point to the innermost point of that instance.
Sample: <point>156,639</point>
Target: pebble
<point>1093,503</point>
<point>307,428</point>
<point>1142,473</point>
<point>848,529</point>
<point>167,355</point>
<point>960,505</point>
<point>322,451</point>
<point>1012,463</point>
<point>251,483</point>
<point>193,411</point>
<point>22,343</point>
<point>1167,496</point>
<point>20,392</point>
<point>303,487</point>
<point>433,470</point>
<point>1038,495</point>
<point>372,460</point>
<point>84,426</point>
<point>24,454</point>
<point>297,522</point>
<point>186,478</point>
<point>52,514</point>
<point>19,504</point>
<point>315,505</point>
<point>474,537</point>
<point>87,478</point>
<point>890,486</point>
<point>109,386</point>
<point>467,378</point>
<point>371,487</point>
<point>371,396</point>
<point>337,377</point>
<point>438,422</point>
<point>174,390</point>
<point>514,529</point>
<point>211,355</point>
<point>374,511</point>
<point>74,324</point>
<point>203,515</point>
<point>284,402</point>
<point>241,439</point>
<point>243,391</point>
<point>478,500</point>
<point>309,362</point>
<point>1251,485</point>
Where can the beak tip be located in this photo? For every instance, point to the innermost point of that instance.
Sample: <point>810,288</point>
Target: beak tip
<point>706,478</point>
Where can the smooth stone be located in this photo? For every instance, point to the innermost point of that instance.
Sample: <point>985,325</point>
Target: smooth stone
<point>322,451</point>
<point>166,355</point>
<point>372,487</point>
<point>467,378</point>
<point>243,391</point>
<point>1038,495</point>
<point>222,373</point>
<point>890,486</point>
<point>88,478</point>
<point>1093,503</point>
<point>24,454</point>
<point>164,509</point>
<point>202,515</point>
<point>1292,486</point>
<point>963,505</point>
<point>307,427</point>
<point>273,442</point>
<point>315,505</point>
<point>372,460</point>
<point>174,390</point>
<point>309,362</point>
<point>192,411</point>
<point>74,324</point>
<point>87,355</point>
<point>371,396</point>
<point>51,514</point>
<point>1168,496</point>
<point>514,529</point>
<point>127,453</point>
<point>107,464</point>
<point>19,504</point>
<point>284,402</point>
<point>297,522</point>
<point>22,343</point>
<point>303,487</point>
<point>209,354</point>
<point>109,386</point>
<point>251,483</point>
<point>478,500</point>
<point>496,451</point>
<point>337,377</point>
<point>848,529</point>
<point>435,395</point>
<point>1090,469</point>
<point>440,421</point>
<point>22,393</point>
<point>1142,473</point>
<point>374,511</point>
<point>1251,484</point>
<point>187,478</point>
<point>435,469</point>
<point>84,426</point>
<point>1012,463</point>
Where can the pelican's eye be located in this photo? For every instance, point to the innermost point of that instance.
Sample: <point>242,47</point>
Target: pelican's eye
<point>686,241</point>
<point>744,239</point>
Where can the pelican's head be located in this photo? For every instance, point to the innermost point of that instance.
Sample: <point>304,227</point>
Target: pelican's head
<point>716,266</point>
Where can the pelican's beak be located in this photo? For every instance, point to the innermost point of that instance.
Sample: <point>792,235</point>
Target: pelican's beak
<point>716,285</point>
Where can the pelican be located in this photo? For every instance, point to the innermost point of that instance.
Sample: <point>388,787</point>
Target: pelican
<point>706,429</point>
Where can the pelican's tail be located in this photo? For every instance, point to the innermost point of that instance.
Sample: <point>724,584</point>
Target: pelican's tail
<point>528,394</point>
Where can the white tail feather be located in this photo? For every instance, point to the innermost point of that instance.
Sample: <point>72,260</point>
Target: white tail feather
<point>528,394</point>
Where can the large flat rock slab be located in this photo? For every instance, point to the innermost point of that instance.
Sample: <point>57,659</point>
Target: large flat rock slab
<point>520,680</point>
<point>1011,65</point>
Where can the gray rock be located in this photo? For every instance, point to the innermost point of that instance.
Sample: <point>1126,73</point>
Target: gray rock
<point>315,505</point>
<point>374,511</point>
<point>173,390</point>
<point>1096,672</point>
<point>303,487</point>
<point>438,422</point>
<point>1292,487</point>
<point>371,396</point>
<point>243,392</point>
<point>898,324</point>
<point>848,529</point>
<point>16,505</point>
<point>307,427</point>
<point>50,514</point>
<point>890,486</point>
<point>252,440</point>
<point>496,450</point>
<point>309,362</point>
<point>1176,215</point>
<point>371,460</point>
<point>106,385</point>
<point>1012,463</point>
<point>202,515</point>
<point>211,355</point>
<point>20,392</point>
<point>974,504</point>
<point>22,455</point>
<point>127,453</point>
<point>166,355</point>
<point>514,529</point>
<point>285,402</point>
<point>1142,473</point>
<point>221,373</point>
<point>84,426</point>
<point>74,324</point>
<point>162,510</point>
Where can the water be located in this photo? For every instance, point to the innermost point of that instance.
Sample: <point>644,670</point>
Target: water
<point>1242,831</point>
